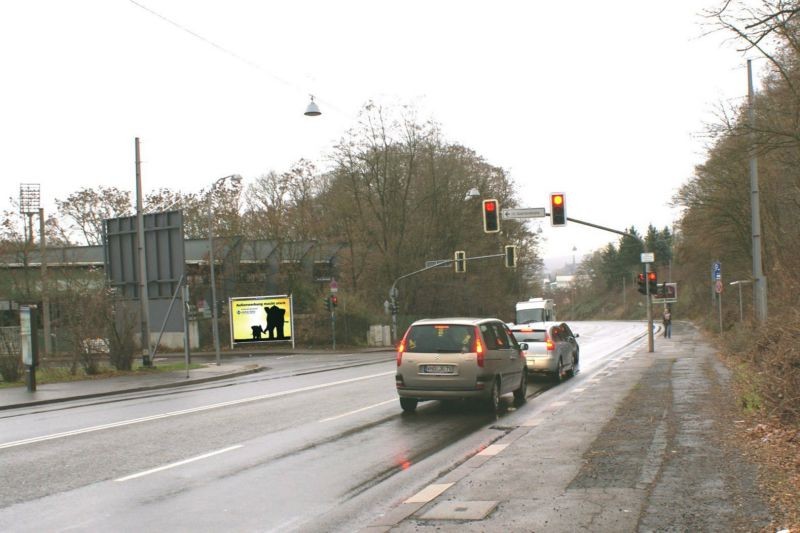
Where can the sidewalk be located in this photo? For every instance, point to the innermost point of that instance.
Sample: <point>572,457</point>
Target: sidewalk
<point>93,388</point>
<point>643,444</point>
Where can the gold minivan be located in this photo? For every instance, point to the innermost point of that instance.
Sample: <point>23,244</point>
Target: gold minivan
<point>455,358</point>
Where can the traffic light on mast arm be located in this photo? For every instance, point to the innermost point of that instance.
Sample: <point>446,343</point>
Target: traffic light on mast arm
<point>491,216</point>
<point>511,256</point>
<point>558,209</point>
<point>460,263</point>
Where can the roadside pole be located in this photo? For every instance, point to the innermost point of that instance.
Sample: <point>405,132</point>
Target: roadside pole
<point>650,340</point>
<point>28,330</point>
<point>185,306</point>
<point>333,299</point>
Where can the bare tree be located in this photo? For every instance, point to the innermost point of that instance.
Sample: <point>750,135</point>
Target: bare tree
<point>86,209</point>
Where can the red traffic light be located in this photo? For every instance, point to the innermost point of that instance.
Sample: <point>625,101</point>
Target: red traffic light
<point>651,276</point>
<point>491,216</point>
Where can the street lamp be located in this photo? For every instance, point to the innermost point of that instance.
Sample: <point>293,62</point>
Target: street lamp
<point>214,324</point>
<point>313,109</point>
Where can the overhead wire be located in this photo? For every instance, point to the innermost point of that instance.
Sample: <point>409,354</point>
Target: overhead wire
<point>234,55</point>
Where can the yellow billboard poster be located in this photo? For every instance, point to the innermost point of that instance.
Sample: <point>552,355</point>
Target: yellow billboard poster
<point>261,319</point>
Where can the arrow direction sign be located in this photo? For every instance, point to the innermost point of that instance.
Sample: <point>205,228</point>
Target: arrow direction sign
<point>526,212</point>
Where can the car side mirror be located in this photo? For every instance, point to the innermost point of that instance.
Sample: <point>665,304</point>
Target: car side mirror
<point>523,346</point>
<point>577,335</point>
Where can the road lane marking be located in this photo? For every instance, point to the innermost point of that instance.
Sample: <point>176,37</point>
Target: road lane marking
<point>179,463</point>
<point>429,493</point>
<point>188,411</point>
<point>358,410</point>
<point>493,449</point>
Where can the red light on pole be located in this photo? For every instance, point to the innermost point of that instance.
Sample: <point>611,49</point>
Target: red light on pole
<point>491,216</point>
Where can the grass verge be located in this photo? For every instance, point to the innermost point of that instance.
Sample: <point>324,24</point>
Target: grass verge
<point>62,375</point>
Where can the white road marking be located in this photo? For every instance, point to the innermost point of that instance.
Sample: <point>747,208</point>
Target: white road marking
<point>179,463</point>
<point>493,449</point>
<point>187,411</point>
<point>358,410</point>
<point>429,493</point>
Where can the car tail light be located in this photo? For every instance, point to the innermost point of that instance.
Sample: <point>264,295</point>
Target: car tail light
<point>401,348</point>
<point>479,352</point>
<point>550,344</point>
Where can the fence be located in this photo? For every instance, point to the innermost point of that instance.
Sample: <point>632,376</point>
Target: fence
<point>9,340</point>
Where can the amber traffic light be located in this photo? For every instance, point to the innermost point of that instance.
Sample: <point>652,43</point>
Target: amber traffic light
<point>558,209</point>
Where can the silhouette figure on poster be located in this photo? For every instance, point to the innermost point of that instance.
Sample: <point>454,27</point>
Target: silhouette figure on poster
<point>257,331</point>
<point>275,321</point>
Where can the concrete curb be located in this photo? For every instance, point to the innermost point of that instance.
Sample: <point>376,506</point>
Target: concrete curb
<point>172,384</point>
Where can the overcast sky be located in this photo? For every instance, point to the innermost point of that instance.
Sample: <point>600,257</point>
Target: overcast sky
<point>605,101</point>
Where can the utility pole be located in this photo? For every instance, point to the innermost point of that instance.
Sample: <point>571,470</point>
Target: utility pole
<point>759,279</point>
<point>48,345</point>
<point>143,298</point>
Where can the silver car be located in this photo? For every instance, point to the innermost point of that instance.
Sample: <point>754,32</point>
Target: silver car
<point>454,358</point>
<point>549,348</point>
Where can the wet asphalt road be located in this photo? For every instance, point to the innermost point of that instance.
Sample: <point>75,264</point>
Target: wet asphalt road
<point>310,444</point>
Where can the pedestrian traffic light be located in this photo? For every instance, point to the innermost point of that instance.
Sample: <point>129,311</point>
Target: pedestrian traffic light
<point>491,216</point>
<point>652,280</point>
<point>328,303</point>
<point>511,256</point>
<point>640,281</point>
<point>460,262</point>
<point>558,209</point>
<point>334,300</point>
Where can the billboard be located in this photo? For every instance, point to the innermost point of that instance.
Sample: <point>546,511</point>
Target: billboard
<point>261,319</point>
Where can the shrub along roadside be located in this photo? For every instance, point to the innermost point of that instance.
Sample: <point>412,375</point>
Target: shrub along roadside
<point>766,368</point>
<point>768,360</point>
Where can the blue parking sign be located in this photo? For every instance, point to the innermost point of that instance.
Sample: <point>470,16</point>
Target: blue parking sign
<point>716,269</point>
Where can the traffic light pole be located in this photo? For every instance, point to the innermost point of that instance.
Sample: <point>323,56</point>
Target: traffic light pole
<point>583,222</point>
<point>393,289</point>
<point>650,340</point>
<point>333,326</point>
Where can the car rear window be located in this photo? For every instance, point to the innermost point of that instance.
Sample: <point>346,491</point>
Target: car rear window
<point>536,335</point>
<point>442,338</point>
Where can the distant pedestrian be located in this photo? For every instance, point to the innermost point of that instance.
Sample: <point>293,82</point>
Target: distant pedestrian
<point>667,320</point>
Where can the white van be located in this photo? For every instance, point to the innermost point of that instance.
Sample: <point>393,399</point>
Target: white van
<point>535,310</point>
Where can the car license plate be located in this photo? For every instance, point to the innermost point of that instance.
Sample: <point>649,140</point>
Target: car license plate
<point>437,369</point>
